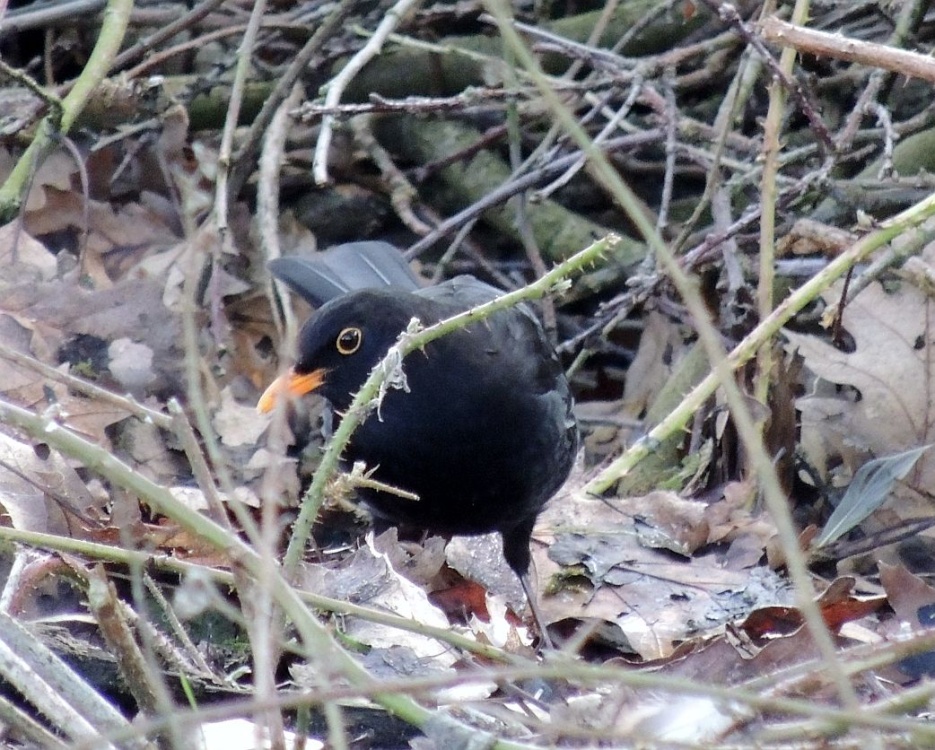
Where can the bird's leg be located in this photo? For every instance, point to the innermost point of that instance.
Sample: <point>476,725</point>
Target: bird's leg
<point>536,613</point>
<point>517,555</point>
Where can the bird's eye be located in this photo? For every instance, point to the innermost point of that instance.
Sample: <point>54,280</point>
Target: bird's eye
<point>348,340</point>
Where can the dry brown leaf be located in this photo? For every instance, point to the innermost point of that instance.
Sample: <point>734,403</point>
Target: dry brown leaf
<point>838,604</point>
<point>194,498</point>
<point>368,577</point>
<point>144,445</point>
<point>661,345</point>
<point>480,559</point>
<point>667,521</point>
<point>56,311</point>
<point>56,171</point>
<point>38,329</point>
<point>655,599</point>
<point>42,494</point>
<point>911,598</point>
<point>128,228</point>
<point>238,424</point>
<point>18,246</point>
<point>891,367</point>
<point>24,387</point>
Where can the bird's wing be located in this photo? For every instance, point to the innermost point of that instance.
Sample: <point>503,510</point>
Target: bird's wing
<point>514,335</point>
<point>465,292</point>
<point>320,277</point>
<point>461,292</point>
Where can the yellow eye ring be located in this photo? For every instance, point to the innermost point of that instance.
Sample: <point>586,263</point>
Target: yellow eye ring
<point>348,341</point>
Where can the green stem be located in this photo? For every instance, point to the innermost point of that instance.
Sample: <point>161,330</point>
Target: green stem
<point>58,122</point>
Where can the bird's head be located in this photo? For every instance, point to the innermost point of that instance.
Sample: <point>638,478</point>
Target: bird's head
<point>341,343</point>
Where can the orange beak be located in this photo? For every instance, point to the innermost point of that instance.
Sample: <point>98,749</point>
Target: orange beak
<point>291,385</point>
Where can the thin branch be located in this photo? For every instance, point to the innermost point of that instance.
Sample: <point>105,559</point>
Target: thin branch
<point>285,84</point>
<point>803,100</point>
<point>113,29</point>
<point>166,32</point>
<point>394,16</point>
<point>839,47</point>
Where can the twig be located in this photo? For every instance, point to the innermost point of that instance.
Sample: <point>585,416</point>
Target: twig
<point>265,620</point>
<point>224,578</point>
<point>729,14</point>
<point>267,208</point>
<point>285,84</point>
<point>263,623</point>
<point>671,124</point>
<point>319,646</point>
<point>225,150</point>
<point>869,94</point>
<point>808,292</point>
<point>889,138</point>
<point>613,124</point>
<point>49,684</point>
<point>177,424</point>
<point>166,32</point>
<point>837,46</point>
<point>488,139</point>
<point>832,718</point>
<point>185,434</point>
<point>504,192</point>
<point>127,403</point>
<point>113,28</point>
<point>394,16</point>
<point>23,19</point>
<point>772,128</point>
<point>859,659</point>
<point>402,193</point>
<point>474,98</point>
<point>623,67</point>
<point>159,58</point>
<point>26,80</point>
<point>523,227</point>
<point>748,72</point>
<point>113,622</point>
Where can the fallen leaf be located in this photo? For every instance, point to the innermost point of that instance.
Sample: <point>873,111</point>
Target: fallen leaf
<point>238,424</point>
<point>43,494</point>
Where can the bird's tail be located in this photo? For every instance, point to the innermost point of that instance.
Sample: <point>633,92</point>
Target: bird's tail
<point>319,277</point>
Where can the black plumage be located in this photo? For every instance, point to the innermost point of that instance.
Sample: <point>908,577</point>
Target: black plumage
<point>485,433</point>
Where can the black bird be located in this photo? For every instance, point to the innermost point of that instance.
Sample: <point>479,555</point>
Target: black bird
<point>485,434</point>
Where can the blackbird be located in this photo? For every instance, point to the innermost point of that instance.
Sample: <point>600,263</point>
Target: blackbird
<point>485,433</point>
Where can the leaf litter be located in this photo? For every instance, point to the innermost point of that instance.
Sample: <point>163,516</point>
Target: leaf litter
<point>684,584</point>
